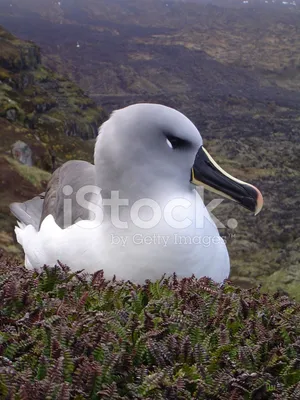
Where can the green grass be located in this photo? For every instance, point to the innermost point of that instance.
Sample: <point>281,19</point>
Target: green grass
<point>33,174</point>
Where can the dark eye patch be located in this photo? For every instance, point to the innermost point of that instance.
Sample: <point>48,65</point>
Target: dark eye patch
<point>176,142</point>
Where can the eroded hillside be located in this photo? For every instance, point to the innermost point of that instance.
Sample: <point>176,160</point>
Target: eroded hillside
<point>46,111</point>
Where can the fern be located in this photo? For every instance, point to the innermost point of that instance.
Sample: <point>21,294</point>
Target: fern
<point>66,336</point>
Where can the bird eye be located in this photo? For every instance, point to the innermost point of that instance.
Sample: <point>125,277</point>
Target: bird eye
<point>175,142</point>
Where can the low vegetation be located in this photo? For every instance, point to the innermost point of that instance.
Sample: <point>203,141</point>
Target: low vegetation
<point>68,335</point>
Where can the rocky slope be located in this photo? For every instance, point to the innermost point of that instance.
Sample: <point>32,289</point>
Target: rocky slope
<point>50,113</point>
<point>234,72</point>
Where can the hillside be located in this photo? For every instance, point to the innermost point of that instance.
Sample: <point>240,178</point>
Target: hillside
<point>234,71</point>
<point>46,111</point>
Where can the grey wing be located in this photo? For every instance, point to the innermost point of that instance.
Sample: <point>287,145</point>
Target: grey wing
<point>60,197</point>
<point>29,212</point>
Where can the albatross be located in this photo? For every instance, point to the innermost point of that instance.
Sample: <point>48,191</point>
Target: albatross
<point>135,213</point>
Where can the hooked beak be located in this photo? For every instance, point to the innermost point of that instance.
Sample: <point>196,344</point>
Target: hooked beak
<point>208,173</point>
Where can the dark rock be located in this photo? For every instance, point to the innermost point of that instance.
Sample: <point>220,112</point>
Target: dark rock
<point>43,107</point>
<point>11,114</point>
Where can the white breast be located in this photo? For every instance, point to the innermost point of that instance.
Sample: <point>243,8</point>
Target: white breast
<point>134,253</point>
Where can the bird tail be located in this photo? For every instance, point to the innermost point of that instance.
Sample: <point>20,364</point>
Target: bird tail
<point>24,234</point>
<point>19,231</point>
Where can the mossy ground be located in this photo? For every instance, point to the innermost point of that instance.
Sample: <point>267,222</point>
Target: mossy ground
<point>34,175</point>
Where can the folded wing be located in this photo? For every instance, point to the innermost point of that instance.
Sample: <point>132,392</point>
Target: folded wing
<point>59,200</point>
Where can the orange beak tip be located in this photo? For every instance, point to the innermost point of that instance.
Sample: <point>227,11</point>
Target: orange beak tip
<point>260,202</point>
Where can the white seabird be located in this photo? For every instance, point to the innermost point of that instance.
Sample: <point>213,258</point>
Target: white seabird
<point>151,157</point>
